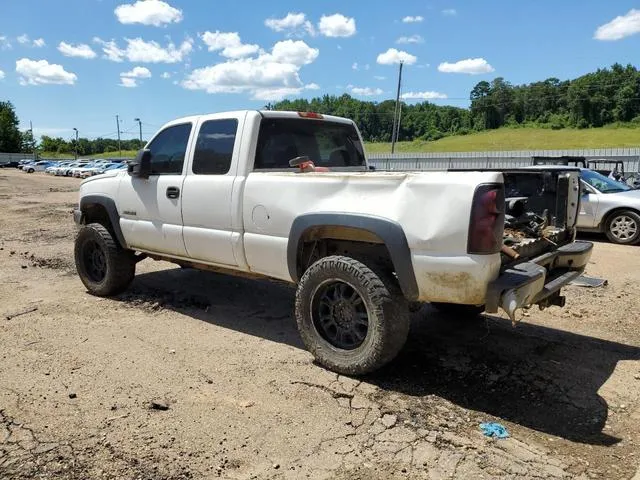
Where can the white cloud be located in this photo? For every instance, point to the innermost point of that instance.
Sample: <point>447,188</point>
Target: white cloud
<point>378,77</point>
<point>80,51</point>
<point>312,86</point>
<point>139,50</point>
<point>166,75</point>
<point>41,72</point>
<point>148,12</point>
<point>471,66</point>
<point>450,12</point>
<point>130,79</point>
<point>269,76</point>
<point>394,56</point>
<point>128,82</point>
<point>366,91</point>
<point>5,44</point>
<point>293,24</point>
<point>354,66</point>
<point>337,25</point>
<point>229,43</point>
<point>1,75</point>
<point>429,95</point>
<point>412,39</point>
<point>294,52</point>
<point>620,27</point>
<point>25,40</point>
<point>412,19</point>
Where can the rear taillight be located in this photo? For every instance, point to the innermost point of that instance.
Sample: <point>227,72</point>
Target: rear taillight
<point>487,220</point>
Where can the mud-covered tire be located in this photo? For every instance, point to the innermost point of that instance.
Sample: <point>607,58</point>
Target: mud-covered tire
<point>623,227</point>
<point>103,266</point>
<point>462,312</point>
<point>385,309</point>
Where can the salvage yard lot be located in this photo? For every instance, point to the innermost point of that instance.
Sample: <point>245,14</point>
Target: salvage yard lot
<point>237,396</point>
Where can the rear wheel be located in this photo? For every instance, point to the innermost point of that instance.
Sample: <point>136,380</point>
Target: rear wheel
<point>103,266</point>
<point>623,227</point>
<point>352,319</point>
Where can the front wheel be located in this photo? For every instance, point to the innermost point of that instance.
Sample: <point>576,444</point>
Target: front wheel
<point>623,227</point>
<point>352,319</point>
<point>103,266</point>
<point>31,170</point>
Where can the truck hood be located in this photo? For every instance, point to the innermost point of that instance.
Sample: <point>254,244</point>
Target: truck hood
<point>108,174</point>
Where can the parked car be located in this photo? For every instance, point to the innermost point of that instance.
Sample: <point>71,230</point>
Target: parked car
<point>609,206</point>
<point>11,164</point>
<point>40,166</point>
<point>68,171</point>
<point>54,169</point>
<point>289,196</point>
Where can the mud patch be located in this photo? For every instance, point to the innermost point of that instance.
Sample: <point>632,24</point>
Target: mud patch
<point>53,263</point>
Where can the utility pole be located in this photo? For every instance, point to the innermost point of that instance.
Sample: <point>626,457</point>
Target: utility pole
<point>140,125</point>
<point>33,141</point>
<point>118,127</point>
<point>396,120</point>
<point>76,149</point>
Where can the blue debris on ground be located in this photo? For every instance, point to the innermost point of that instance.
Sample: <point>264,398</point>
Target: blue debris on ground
<point>494,430</point>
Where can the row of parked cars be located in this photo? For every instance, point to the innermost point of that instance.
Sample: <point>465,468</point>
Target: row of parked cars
<point>78,168</point>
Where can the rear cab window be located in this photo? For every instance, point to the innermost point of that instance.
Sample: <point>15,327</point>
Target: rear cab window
<point>327,144</point>
<point>214,147</point>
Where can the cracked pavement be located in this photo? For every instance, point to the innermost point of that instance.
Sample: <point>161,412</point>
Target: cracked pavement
<point>244,399</point>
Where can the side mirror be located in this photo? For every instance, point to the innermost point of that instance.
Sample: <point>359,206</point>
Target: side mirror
<point>141,166</point>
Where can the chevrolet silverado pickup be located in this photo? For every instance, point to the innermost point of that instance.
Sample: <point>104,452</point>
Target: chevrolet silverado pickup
<point>290,196</point>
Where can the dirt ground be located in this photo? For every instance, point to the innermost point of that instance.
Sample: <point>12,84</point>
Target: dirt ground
<point>237,396</point>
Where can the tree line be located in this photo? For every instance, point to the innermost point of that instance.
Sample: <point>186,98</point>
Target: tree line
<point>599,98</point>
<point>12,140</point>
<point>596,99</point>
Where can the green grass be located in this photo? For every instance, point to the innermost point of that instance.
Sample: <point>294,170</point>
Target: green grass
<point>528,138</point>
<point>66,156</point>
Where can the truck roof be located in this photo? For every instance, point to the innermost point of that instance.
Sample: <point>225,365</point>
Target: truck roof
<point>265,114</point>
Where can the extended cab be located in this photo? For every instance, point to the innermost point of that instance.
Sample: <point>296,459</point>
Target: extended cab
<point>289,196</point>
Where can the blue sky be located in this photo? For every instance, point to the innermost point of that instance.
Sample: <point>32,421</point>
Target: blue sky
<point>78,63</point>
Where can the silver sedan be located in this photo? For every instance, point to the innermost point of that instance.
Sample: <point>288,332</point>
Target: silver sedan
<point>609,206</point>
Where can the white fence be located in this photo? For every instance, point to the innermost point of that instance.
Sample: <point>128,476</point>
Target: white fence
<point>500,159</point>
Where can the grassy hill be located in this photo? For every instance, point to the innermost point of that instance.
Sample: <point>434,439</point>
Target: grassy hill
<point>527,138</point>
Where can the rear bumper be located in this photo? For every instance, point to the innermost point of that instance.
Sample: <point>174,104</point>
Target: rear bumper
<point>539,280</point>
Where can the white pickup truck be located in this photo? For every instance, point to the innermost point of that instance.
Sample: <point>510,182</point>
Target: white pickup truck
<point>289,196</point>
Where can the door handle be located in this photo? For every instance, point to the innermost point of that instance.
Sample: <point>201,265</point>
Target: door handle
<point>173,192</point>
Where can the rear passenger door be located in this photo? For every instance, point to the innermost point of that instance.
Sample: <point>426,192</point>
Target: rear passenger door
<point>211,212</point>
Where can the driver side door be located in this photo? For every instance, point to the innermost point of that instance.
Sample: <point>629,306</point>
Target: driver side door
<point>151,208</point>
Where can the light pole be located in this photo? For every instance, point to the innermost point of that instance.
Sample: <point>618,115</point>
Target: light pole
<point>76,130</point>
<point>139,125</point>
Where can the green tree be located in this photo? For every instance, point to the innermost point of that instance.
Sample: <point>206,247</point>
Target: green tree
<point>10,136</point>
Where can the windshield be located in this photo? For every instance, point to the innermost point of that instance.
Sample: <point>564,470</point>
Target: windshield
<point>603,184</point>
<point>327,144</point>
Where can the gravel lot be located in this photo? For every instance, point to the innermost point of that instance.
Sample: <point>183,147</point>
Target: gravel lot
<point>194,375</point>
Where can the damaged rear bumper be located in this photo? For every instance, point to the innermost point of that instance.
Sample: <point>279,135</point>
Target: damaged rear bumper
<point>538,281</point>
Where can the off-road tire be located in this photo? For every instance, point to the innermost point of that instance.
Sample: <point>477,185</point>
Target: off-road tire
<point>462,312</point>
<point>95,241</point>
<point>386,309</point>
<point>633,221</point>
